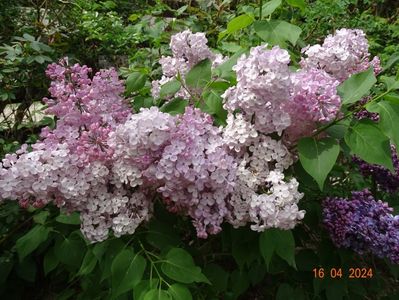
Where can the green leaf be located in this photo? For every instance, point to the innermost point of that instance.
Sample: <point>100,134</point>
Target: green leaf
<point>66,294</point>
<point>88,264</point>
<point>390,82</point>
<point>143,287</point>
<point>280,242</point>
<point>27,269</point>
<point>199,75</point>
<point>50,261</point>
<point>217,276</point>
<point>236,24</point>
<point>339,129</point>
<point>230,47</point>
<point>100,248</point>
<point>175,106</point>
<point>127,270</point>
<point>213,104</point>
<point>35,46</point>
<point>41,217</point>
<point>389,119</point>
<point>39,59</point>
<point>170,88</point>
<point>269,7</point>
<point>28,37</point>
<point>69,251</point>
<point>72,219</point>
<point>277,32</point>
<point>181,10</point>
<point>161,235</point>
<point>336,290</point>
<point>301,4</point>
<point>356,86</point>
<point>306,260</point>
<point>318,157</point>
<point>179,292</point>
<point>30,241</point>
<point>239,282</point>
<point>6,265</point>
<point>142,101</point>
<point>179,266</point>
<point>225,70</point>
<point>113,248</point>
<point>368,142</point>
<point>391,61</point>
<point>157,294</point>
<point>240,239</point>
<point>285,291</point>
<point>135,82</point>
<point>392,98</point>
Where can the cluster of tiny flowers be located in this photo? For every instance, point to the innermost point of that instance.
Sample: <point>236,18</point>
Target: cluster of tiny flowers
<point>364,113</point>
<point>71,165</point>
<point>341,55</point>
<point>184,157</point>
<point>263,85</point>
<point>271,98</point>
<point>385,179</point>
<point>363,224</point>
<point>109,164</point>
<point>238,132</point>
<point>188,49</point>
<point>314,100</point>
<point>261,196</point>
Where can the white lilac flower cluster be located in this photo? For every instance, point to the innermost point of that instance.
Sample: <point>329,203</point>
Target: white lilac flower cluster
<point>188,49</point>
<point>261,195</point>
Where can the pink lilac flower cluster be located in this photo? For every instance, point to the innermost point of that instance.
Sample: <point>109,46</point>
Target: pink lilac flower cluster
<point>263,85</point>
<point>188,49</point>
<point>363,224</point>
<point>272,98</point>
<point>183,157</point>
<point>314,100</point>
<point>71,165</point>
<point>341,55</point>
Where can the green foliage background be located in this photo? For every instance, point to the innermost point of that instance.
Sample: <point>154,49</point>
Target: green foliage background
<point>42,252</point>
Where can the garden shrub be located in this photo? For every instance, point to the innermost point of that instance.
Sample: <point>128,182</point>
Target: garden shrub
<point>250,153</point>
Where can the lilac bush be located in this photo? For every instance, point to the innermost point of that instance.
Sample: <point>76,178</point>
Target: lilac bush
<point>111,165</point>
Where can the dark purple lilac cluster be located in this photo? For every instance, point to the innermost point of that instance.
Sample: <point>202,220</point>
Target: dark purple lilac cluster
<point>384,178</point>
<point>363,224</point>
<point>364,113</point>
